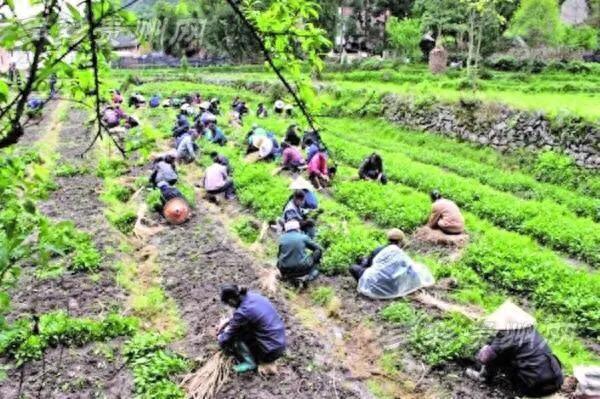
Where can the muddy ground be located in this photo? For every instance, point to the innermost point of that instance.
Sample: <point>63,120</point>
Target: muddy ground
<point>197,259</point>
<point>96,369</point>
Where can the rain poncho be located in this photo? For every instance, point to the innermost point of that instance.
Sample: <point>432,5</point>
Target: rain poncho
<point>393,274</point>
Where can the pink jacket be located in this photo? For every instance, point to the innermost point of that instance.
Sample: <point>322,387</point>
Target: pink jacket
<point>318,164</point>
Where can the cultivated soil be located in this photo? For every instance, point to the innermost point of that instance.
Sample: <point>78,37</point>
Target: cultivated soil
<point>94,370</point>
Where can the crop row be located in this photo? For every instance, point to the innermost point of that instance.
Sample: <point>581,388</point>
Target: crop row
<point>508,260</point>
<point>543,220</point>
<point>339,101</point>
<point>514,182</point>
<point>263,193</point>
<point>346,237</point>
<point>525,269</point>
<point>27,339</point>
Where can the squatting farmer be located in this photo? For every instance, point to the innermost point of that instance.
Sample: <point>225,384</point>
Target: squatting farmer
<point>255,333</point>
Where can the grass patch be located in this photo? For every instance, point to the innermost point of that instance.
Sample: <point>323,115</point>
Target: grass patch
<point>247,230</point>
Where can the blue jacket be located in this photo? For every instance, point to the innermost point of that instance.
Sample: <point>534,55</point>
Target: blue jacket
<point>310,201</point>
<point>182,125</point>
<point>154,101</point>
<point>256,317</point>
<point>312,150</point>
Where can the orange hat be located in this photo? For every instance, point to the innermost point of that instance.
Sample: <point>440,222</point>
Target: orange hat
<point>176,211</point>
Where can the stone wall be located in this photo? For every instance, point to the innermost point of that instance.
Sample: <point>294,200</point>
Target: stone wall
<point>500,127</point>
<point>489,124</point>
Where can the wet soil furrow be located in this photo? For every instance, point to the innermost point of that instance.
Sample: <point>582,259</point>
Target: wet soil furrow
<point>94,370</point>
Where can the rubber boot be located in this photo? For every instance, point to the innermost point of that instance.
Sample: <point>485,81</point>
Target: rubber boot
<point>245,358</point>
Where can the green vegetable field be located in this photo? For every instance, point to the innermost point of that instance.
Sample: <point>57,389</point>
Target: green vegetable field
<point>117,259</point>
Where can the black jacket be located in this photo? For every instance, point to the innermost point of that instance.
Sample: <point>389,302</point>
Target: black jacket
<point>527,357</point>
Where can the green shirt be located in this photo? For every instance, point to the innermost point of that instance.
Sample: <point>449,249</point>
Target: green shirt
<point>292,249</point>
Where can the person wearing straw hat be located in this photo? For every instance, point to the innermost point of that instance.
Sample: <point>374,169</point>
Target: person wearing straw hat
<point>395,237</point>
<point>174,206</point>
<point>293,259</point>
<point>279,106</point>
<point>310,199</point>
<point>265,146</point>
<point>255,333</point>
<point>520,351</point>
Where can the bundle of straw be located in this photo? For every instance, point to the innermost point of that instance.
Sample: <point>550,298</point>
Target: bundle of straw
<point>268,278</point>
<point>206,382</point>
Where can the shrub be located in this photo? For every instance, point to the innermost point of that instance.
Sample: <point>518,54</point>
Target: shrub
<point>57,328</point>
<point>579,37</point>
<point>537,22</point>
<point>153,365</point>
<point>404,35</point>
<point>122,218</point>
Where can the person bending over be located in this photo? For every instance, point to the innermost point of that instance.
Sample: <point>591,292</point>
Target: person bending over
<point>445,215</point>
<point>255,333</point>
<point>371,168</point>
<point>293,259</point>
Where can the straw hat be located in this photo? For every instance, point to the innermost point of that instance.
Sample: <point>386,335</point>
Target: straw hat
<point>396,235</point>
<point>300,183</point>
<point>509,317</point>
<point>204,105</point>
<point>176,211</point>
<point>292,225</point>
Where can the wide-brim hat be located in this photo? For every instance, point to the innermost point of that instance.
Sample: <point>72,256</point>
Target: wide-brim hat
<point>509,317</point>
<point>204,105</point>
<point>300,183</point>
<point>396,235</point>
<point>176,211</point>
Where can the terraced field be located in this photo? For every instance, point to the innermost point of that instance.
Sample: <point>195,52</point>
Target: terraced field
<point>134,301</point>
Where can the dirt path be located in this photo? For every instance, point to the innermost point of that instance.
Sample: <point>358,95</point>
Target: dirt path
<point>200,256</point>
<point>94,370</point>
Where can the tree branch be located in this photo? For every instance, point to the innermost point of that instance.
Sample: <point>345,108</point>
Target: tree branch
<point>20,100</point>
<point>269,59</point>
